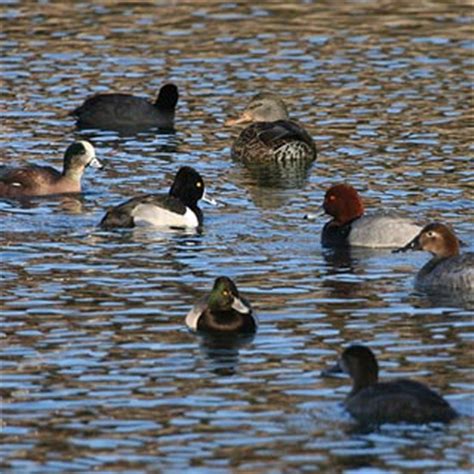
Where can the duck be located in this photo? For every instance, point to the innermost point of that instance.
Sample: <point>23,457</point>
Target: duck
<point>224,311</point>
<point>124,111</point>
<point>177,209</point>
<point>448,270</point>
<point>372,402</point>
<point>270,135</point>
<point>36,180</point>
<point>351,227</point>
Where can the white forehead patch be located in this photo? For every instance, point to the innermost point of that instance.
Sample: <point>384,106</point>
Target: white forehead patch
<point>90,151</point>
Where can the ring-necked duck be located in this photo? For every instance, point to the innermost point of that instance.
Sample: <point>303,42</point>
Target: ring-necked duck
<point>124,111</point>
<point>178,208</point>
<point>270,135</point>
<point>223,311</point>
<point>34,180</point>
<point>448,270</point>
<point>372,402</point>
<point>351,227</point>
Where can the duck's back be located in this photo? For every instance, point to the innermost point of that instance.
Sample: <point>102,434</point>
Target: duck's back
<point>382,230</point>
<point>281,140</point>
<point>30,180</point>
<point>109,111</point>
<point>447,274</point>
<point>399,401</point>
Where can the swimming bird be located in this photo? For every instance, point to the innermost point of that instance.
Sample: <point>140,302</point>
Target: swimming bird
<point>448,270</point>
<point>270,135</point>
<point>223,311</point>
<point>179,208</point>
<point>124,111</point>
<point>350,226</point>
<point>36,180</point>
<point>372,402</point>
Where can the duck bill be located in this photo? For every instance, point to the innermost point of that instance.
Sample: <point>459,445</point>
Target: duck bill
<point>312,216</point>
<point>240,306</point>
<point>209,199</point>
<point>244,118</point>
<point>412,245</point>
<point>333,371</point>
<point>95,163</point>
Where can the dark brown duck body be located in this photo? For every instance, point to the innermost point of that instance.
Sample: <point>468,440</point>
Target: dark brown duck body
<point>372,402</point>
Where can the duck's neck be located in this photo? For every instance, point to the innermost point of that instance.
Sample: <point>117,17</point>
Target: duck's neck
<point>73,174</point>
<point>362,380</point>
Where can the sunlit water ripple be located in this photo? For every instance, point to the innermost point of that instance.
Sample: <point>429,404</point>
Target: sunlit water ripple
<point>98,370</point>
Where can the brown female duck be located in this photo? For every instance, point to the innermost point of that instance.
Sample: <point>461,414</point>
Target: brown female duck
<point>35,180</point>
<point>270,135</point>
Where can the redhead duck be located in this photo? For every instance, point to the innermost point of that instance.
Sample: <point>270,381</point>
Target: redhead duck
<point>372,402</point>
<point>124,111</point>
<point>34,180</point>
<point>223,311</point>
<point>270,135</point>
<point>178,208</point>
<point>350,226</point>
<point>447,270</point>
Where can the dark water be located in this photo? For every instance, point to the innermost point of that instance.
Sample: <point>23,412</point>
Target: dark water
<point>98,370</point>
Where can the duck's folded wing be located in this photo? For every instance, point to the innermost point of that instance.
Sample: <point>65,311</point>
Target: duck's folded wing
<point>282,131</point>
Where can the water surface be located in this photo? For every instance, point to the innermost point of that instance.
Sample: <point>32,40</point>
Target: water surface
<point>99,372</point>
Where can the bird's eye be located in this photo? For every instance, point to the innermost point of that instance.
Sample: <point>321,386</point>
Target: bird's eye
<point>225,293</point>
<point>199,184</point>
<point>430,234</point>
<point>332,197</point>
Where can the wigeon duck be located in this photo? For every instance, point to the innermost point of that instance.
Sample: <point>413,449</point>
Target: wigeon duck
<point>124,111</point>
<point>350,226</point>
<point>372,402</point>
<point>270,135</point>
<point>34,180</point>
<point>179,208</point>
<point>447,270</point>
<point>223,311</point>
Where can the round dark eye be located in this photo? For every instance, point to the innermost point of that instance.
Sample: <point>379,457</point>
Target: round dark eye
<point>199,184</point>
<point>430,233</point>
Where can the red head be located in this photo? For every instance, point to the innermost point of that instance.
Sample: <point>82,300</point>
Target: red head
<point>343,203</point>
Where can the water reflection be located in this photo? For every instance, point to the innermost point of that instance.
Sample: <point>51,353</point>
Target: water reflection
<point>222,351</point>
<point>274,174</point>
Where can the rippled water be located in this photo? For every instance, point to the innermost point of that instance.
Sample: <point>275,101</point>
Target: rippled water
<point>98,370</point>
